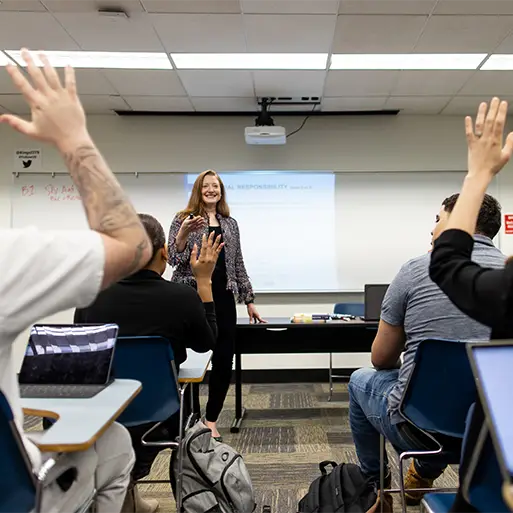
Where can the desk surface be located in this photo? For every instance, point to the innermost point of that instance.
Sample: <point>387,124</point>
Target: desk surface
<point>193,370</point>
<point>284,322</point>
<point>80,421</point>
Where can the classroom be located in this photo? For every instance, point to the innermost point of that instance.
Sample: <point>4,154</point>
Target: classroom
<point>276,213</point>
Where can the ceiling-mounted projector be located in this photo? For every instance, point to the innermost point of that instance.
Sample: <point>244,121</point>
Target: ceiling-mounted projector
<point>264,131</point>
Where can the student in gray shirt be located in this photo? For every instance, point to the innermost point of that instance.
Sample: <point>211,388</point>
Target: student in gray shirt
<point>414,309</point>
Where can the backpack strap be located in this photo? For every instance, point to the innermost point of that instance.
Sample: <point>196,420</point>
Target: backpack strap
<point>324,464</point>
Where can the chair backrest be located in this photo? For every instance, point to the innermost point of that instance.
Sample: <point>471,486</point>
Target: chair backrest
<point>17,481</point>
<point>356,309</point>
<point>149,360</point>
<point>440,389</point>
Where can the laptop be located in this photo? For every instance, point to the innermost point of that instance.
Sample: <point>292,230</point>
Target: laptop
<point>492,365</point>
<point>373,298</point>
<point>68,360</point>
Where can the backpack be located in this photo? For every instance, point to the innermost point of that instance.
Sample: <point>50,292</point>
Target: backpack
<point>215,478</point>
<point>345,489</point>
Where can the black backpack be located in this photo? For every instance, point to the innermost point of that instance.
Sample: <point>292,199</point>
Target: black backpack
<point>345,489</point>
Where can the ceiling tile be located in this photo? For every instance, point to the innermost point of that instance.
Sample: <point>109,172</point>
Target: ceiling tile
<point>506,45</point>
<point>359,83</point>
<point>44,32</point>
<point>90,6</point>
<point>289,83</point>
<point>466,105</point>
<point>386,6</point>
<point>417,104</point>
<point>200,32</point>
<point>225,105</point>
<point>377,34</point>
<point>432,82</point>
<point>464,34</point>
<point>355,103</point>
<point>289,33</point>
<point>14,103</point>
<point>474,7</point>
<point>217,83</point>
<point>97,33</point>
<point>25,5</point>
<point>290,6</point>
<point>145,82</point>
<point>198,6</point>
<point>489,83</point>
<point>95,104</point>
<point>92,81</point>
<point>159,103</point>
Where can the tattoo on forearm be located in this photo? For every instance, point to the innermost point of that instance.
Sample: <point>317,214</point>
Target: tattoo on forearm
<point>107,207</point>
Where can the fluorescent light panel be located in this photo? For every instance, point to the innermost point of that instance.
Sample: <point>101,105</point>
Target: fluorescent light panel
<point>250,61</point>
<point>4,59</point>
<point>414,61</point>
<point>498,62</point>
<point>105,60</point>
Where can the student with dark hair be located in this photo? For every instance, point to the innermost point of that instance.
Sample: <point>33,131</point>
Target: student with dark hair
<point>145,304</point>
<point>414,309</point>
<point>482,293</point>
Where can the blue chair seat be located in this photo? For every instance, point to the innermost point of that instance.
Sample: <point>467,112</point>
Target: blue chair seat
<point>438,502</point>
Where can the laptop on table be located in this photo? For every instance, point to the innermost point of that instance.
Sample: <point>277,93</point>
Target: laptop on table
<point>492,365</point>
<point>68,360</point>
<point>373,298</point>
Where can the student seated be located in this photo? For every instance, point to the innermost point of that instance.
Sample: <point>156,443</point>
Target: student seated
<point>44,272</point>
<point>414,309</point>
<point>145,304</point>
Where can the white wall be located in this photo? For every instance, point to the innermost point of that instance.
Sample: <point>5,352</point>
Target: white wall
<point>192,144</point>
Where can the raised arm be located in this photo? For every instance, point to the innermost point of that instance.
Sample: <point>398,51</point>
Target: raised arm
<point>484,294</point>
<point>58,118</point>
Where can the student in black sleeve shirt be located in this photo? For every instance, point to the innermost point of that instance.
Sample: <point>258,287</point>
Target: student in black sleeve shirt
<point>483,294</point>
<point>145,304</point>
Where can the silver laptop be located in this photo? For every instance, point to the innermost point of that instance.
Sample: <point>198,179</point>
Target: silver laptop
<point>64,360</point>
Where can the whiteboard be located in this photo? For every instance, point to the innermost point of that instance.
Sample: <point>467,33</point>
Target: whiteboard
<point>321,232</point>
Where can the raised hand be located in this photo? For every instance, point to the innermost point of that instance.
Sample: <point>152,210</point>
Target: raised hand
<point>204,261</point>
<point>56,112</point>
<point>486,153</point>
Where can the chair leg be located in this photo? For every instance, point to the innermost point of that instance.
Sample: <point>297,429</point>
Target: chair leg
<point>180,454</point>
<point>381,472</point>
<point>401,481</point>
<point>331,377</point>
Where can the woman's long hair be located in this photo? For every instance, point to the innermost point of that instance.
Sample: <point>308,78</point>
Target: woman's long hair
<point>196,206</point>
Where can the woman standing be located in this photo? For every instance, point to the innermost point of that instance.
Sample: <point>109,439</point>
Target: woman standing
<point>207,212</point>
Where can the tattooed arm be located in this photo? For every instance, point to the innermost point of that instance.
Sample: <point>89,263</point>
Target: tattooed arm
<point>108,211</point>
<point>57,117</point>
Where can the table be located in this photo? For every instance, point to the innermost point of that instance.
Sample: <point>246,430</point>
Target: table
<point>80,421</point>
<point>279,335</point>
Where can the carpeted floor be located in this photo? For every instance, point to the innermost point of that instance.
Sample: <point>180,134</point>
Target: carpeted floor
<point>288,430</point>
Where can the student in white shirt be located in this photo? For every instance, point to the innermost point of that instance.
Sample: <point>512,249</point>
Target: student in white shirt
<point>44,272</point>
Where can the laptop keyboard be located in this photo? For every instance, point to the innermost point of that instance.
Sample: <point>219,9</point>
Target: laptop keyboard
<point>60,391</point>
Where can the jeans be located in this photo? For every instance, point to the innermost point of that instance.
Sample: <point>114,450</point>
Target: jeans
<point>369,417</point>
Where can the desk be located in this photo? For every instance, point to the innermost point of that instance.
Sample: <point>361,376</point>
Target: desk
<point>193,370</point>
<point>80,421</point>
<point>280,336</point>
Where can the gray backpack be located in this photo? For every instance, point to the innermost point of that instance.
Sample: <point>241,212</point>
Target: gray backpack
<point>215,477</point>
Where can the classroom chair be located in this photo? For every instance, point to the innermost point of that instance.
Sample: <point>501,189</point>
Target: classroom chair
<point>356,309</point>
<point>20,488</point>
<point>435,403</point>
<point>150,360</point>
<point>482,485</point>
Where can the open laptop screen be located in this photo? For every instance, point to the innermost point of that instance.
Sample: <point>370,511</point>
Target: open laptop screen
<point>373,298</point>
<point>69,355</point>
<point>494,364</point>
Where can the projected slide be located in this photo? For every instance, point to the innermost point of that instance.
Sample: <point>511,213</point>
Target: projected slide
<point>287,225</point>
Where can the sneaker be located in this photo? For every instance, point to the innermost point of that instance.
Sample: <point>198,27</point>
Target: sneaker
<point>414,480</point>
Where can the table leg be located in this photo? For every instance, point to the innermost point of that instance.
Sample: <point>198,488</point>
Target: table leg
<point>239,409</point>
